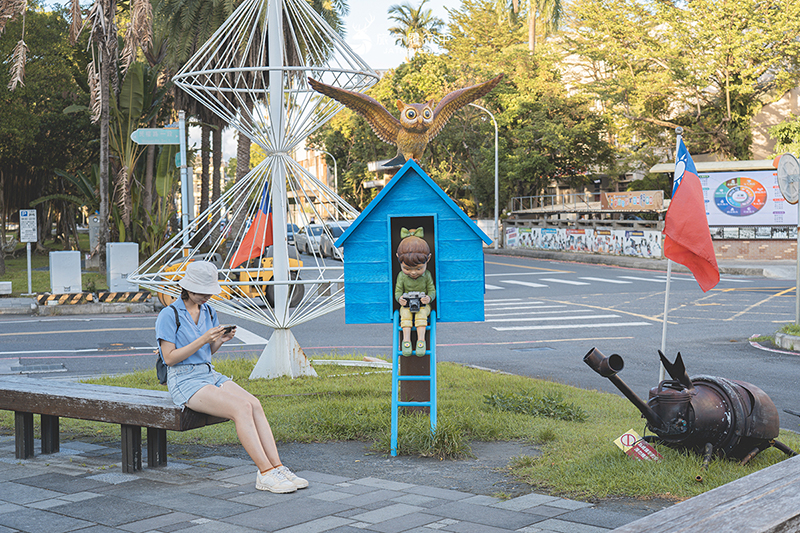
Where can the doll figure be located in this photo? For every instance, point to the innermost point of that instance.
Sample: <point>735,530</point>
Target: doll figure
<point>414,289</point>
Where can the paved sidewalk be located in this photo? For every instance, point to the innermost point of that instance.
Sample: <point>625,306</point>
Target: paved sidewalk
<point>82,489</point>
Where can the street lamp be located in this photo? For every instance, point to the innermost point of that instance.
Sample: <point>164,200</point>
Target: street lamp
<point>335,173</point>
<point>496,179</point>
<point>335,181</point>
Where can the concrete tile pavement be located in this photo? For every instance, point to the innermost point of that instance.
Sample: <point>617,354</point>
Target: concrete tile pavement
<point>81,489</point>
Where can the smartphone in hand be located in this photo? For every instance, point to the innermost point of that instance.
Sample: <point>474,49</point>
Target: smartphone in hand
<point>228,329</point>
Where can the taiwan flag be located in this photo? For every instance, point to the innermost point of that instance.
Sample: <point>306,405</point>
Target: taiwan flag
<point>686,237</point>
<point>258,236</point>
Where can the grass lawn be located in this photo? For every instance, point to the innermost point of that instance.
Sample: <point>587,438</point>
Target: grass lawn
<point>17,270</point>
<point>573,428</point>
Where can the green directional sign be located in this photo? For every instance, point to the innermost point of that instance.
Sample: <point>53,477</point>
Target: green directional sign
<point>156,136</point>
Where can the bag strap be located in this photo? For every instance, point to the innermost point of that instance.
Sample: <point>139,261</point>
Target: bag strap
<point>177,327</point>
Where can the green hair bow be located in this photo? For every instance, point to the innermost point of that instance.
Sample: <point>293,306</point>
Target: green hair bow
<point>410,233</point>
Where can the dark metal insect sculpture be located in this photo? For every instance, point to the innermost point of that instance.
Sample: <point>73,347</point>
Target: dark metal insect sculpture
<point>704,414</point>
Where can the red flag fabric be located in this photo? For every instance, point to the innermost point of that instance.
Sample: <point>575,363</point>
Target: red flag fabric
<point>258,236</point>
<point>687,239</point>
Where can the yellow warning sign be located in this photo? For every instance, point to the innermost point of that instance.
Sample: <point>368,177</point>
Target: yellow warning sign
<point>627,440</point>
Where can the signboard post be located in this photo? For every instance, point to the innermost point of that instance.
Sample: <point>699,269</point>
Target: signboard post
<point>172,136</point>
<point>28,233</point>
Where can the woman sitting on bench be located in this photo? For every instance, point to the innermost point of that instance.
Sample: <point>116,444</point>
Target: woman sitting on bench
<point>187,346</point>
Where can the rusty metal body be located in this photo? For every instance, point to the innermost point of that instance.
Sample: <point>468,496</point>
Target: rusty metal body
<point>736,418</point>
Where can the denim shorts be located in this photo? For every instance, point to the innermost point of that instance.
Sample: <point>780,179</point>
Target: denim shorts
<point>184,380</point>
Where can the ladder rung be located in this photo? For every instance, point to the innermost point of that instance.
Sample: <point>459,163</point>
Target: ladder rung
<point>413,378</point>
<point>414,404</point>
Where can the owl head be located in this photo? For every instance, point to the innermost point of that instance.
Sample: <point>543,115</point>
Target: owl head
<point>414,116</point>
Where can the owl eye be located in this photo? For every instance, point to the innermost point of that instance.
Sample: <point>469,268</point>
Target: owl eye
<point>426,113</point>
<point>411,114</point>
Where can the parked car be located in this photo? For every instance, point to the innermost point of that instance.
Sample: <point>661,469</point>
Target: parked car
<point>326,242</point>
<point>307,239</point>
<point>291,231</point>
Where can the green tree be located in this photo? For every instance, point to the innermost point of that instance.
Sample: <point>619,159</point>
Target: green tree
<point>415,27</point>
<point>705,65</point>
<point>36,137</point>
<point>787,135</point>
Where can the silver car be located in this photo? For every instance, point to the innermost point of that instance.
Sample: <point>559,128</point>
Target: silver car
<point>326,242</point>
<point>307,239</point>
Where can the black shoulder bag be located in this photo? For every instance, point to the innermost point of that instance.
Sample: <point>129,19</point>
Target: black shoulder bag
<point>161,368</point>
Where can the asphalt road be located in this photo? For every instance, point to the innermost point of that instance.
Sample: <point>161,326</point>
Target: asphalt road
<point>542,317</point>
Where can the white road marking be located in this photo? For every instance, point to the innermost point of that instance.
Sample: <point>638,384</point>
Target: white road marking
<point>502,301</point>
<point>520,274</point>
<point>539,312</point>
<point>524,307</point>
<point>564,281</point>
<point>248,337</point>
<point>531,319</point>
<point>568,326</point>
<point>644,279</point>
<point>604,280</point>
<point>523,283</point>
<point>492,287</point>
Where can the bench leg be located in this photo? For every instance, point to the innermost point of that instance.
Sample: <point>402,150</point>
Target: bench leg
<point>156,447</point>
<point>23,434</point>
<point>50,434</point>
<point>131,448</point>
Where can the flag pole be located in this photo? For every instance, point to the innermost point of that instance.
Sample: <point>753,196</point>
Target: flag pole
<point>661,369</point>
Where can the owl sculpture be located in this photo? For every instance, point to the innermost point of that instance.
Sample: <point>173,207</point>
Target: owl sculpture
<point>418,124</point>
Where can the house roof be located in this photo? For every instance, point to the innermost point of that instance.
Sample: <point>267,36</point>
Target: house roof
<point>412,165</point>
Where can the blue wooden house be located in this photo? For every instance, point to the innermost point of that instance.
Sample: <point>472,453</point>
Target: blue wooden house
<point>411,200</point>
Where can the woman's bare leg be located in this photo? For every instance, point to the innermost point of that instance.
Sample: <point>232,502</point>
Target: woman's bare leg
<point>221,402</point>
<point>262,425</point>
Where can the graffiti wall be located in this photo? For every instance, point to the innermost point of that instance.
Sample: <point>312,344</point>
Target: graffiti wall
<point>635,243</point>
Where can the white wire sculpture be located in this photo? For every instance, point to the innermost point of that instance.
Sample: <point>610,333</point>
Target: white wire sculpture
<point>253,73</point>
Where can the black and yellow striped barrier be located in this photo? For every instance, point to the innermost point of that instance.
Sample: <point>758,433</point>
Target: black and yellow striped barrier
<point>62,299</point>
<point>123,297</point>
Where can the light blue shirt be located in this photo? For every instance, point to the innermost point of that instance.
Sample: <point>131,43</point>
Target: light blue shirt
<point>188,332</point>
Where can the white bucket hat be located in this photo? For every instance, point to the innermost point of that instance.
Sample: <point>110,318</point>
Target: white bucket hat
<point>201,278</point>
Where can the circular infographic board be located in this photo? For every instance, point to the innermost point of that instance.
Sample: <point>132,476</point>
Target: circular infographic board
<point>740,197</point>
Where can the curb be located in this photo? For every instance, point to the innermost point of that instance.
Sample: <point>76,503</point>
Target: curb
<point>28,306</point>
<point>787,342</point>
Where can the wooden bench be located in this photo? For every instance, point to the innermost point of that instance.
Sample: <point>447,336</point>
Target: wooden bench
<point>767,501</point>
<point>133,409</point>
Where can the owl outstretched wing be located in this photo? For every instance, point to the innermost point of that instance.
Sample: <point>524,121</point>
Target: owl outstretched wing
<point>455,101</point>
<point>382,122</point>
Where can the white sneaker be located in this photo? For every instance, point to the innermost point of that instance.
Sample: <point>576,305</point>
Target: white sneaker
<point>274,481</point>
<point>298,482</point>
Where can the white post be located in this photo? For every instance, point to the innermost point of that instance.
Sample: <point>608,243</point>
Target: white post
<point>496,178</point>
<point>185,185</point>
<point>30,284</point>
<point>661,369</point>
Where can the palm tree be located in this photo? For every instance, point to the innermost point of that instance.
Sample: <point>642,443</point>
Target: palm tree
<point>416,27</point>
<point>102,23</point>
<point>548,12</point>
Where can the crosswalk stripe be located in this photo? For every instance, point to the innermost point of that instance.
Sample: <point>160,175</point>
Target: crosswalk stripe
<point>644,279</point>
<point>604,280</point>
<point>564,281</point>
<point>523,283</point>
<point>545,318</point>
<point>568,326</point>
<point>493,287</point>
<point>248,337</point>
<point>524,307</point>
<point>549,312</point>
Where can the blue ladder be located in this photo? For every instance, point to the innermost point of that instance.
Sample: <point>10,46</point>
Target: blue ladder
<point>397,378</point>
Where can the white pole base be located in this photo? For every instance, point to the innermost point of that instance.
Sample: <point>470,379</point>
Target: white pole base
<point>282,356</point>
